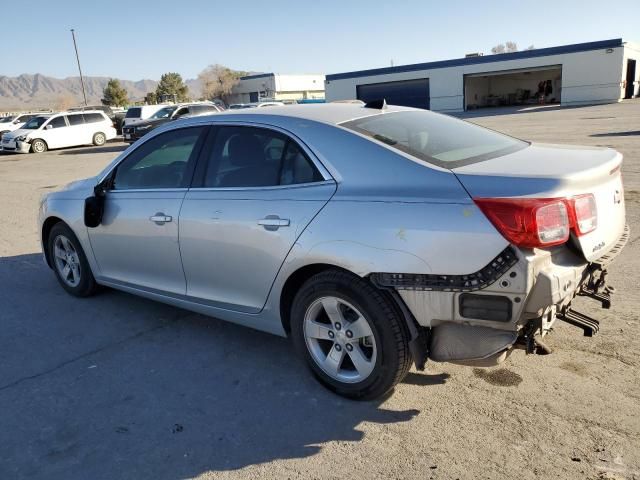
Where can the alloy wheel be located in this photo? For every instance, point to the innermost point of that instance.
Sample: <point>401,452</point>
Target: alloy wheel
<point>340,340</point>
<point>38,146</point>
<point>66,260</point>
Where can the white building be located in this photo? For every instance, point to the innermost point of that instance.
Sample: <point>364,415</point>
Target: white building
<point>275,86</point>
<point>584,73</point>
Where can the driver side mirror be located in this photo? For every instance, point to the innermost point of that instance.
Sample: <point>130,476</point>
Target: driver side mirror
<point>94,206</point>
<point>48,127</point>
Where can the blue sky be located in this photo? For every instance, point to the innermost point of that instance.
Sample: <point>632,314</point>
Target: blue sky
<point>142,39</point>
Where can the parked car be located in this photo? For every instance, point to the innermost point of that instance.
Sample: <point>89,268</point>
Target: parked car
<point>113,113</point>
<point>241,106</point>
<point>60,130</point>
<point>167,114</point>
<point>14,122</point>
<point>374,237</point>
<point>140,113</point>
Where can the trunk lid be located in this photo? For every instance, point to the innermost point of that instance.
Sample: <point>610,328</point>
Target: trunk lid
<point>557,171</point>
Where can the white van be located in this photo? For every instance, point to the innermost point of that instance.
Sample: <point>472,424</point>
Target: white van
<point>60,130</point>
<point>138,114</point>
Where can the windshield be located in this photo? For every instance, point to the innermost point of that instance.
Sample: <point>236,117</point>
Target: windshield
<point>35,123</point>
<point>7,119</point>
<point>164,112</point>
<point>439,139</point>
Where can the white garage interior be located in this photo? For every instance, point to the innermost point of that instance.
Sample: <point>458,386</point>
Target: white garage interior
<point>526,86</point>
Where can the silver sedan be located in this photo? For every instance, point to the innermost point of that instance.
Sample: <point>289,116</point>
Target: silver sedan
<point>376,237</point>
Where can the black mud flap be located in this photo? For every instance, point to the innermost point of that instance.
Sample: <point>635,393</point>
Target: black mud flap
<point>419,342</point>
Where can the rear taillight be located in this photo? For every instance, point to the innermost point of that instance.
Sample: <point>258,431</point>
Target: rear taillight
<point>528,222</point>
<point>584,214</point>
<point>541,222</point>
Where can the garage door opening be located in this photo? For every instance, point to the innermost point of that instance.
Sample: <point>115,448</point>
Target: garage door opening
<point>531,86</point>
<point>408,93</point>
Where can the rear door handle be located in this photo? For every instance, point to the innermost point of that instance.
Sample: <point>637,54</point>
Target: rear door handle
<point>273,222</point>
<point>160,218</point>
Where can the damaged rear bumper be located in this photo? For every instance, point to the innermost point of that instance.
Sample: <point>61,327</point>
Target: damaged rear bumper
<point>525,296</point>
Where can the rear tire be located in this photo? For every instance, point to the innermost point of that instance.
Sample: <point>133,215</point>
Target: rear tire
<point>99,139</point>
<point>350,334</point>
<point>39,146</point>
<point>69,262</point>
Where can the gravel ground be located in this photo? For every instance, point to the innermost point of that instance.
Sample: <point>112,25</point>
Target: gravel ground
<point>120,387</point>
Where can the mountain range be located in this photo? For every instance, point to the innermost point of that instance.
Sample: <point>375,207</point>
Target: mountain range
<point>37,91</point>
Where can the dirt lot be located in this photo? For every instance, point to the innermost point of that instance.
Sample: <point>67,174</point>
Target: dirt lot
<point>120,387</point>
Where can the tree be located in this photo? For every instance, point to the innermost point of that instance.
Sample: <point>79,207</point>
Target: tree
<point>151,98</point>
<point>171,85</point>
<point>530,47</point>
<point>217,81</point>
<point>507,47</point>
<point>115,95</point>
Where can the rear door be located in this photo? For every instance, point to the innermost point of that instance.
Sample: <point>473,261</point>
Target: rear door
<point>78,133</point>
<point>256,190</point>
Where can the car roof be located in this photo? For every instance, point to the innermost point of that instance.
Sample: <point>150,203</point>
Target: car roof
<point>330,113</point>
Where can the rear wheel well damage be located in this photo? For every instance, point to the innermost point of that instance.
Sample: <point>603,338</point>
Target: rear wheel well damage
<point>418,336</point>
<point>46,229</point>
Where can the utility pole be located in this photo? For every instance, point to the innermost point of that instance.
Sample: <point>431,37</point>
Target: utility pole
<point>75,46</point>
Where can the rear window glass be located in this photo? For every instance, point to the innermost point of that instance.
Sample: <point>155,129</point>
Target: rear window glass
<point>93,117</point>
<point>438,139</point>
<point>76,119</point>
<point>134,112</point>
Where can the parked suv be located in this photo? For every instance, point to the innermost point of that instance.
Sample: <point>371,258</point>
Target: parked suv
<point>60,130</point>
<point>14,122</point>
<point>167,114</point>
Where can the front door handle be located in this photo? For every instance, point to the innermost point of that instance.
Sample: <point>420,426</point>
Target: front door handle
<point>160,218</point>
<point>273,222</point>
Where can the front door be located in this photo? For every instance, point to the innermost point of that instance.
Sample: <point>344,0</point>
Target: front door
<point>258,193</point>
<point>137,241</point>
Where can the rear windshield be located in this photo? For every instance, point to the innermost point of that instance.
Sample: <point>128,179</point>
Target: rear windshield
<point>7,119</point>
<point>438,139</point>
<point>134,112</point>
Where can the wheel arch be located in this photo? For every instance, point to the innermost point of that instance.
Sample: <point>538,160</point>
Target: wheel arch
<point>293,284</point>
<point>47,225</point>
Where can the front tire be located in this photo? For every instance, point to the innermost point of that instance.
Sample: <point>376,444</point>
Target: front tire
<point>99,139</point>
<point>69,262</point>
<point>38,146</point>
<point>351,335</point>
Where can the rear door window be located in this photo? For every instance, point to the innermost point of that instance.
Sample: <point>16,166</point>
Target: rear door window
<point>257,157</point>
<point>76,119</point>
<point>57,122</point>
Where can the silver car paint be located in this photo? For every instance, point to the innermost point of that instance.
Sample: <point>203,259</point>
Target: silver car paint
<point>393,215</point>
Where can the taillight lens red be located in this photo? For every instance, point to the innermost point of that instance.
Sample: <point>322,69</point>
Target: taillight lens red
<point>528,222</point>
<point>584,213</point>
<point>540,222</point>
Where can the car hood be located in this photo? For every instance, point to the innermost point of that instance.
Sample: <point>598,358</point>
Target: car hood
<point>17,133</point>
